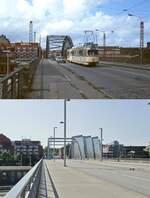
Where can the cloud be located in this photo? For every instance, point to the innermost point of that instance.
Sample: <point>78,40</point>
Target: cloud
<point>65,17</point>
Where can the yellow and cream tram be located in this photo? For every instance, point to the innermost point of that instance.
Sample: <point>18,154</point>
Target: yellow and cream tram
<point>83,55</point>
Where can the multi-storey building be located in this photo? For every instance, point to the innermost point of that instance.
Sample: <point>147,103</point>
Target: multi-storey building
<point>28,148</point>
<point>27,52</point>
<point>7,56</point>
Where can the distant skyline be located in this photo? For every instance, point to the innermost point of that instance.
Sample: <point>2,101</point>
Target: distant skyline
<point>73,17</point>
<point>127,121</point>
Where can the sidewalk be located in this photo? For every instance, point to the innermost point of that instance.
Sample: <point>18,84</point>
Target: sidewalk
<point>127,65</point>
<point>71,183</point>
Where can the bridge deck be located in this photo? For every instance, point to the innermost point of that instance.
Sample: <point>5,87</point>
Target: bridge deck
<point>90,179</point>
<point>52,81</point>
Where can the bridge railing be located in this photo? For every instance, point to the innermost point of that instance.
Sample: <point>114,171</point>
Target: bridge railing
<point>16,84</point>
<point>28,186</point>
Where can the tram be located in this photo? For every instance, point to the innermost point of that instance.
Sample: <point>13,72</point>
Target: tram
<point>87,56</point>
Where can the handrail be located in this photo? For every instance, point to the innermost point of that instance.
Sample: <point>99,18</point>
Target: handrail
<point>16,84</point>
<point>25,186</point>
<point>11,74</point>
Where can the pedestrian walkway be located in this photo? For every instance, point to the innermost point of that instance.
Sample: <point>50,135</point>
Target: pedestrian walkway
<point>45,187</point>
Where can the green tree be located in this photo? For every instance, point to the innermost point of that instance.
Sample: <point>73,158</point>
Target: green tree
<point>6,156</point>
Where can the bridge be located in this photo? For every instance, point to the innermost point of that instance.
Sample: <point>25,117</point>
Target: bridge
<point>52,80</point>
<point>82,175</point>
<point>57,45</point>
<point>48,79</point>
<point>84,178</point>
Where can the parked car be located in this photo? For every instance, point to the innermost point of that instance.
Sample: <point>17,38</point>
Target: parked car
<point>60,60</point>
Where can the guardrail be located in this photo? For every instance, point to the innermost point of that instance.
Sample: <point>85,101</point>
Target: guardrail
<point>27,187</point>
<point>16,84</point>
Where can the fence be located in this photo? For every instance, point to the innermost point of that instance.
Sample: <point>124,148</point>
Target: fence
<point>16,84</point>
<point>28,186</point>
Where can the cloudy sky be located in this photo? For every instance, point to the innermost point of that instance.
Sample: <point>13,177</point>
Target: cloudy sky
<point>73,17</point>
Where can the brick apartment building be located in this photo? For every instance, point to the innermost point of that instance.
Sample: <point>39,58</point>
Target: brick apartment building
<point>27,52</point>
<point>11,54</point>
<point>27,147</point>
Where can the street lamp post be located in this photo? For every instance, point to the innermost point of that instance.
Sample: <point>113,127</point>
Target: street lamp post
<point>48,149</point>
<point>65,101</point>
<point>141,34</point>
<point>104,39</point>
<point>101,143</point>
<point>54,144</point>
<point>65,156</point>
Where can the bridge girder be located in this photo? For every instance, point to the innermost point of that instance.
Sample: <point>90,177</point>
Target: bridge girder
<point>58,43</point>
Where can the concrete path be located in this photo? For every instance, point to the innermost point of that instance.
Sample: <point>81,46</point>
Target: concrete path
<point>85,180</point>
<point>45,188</point>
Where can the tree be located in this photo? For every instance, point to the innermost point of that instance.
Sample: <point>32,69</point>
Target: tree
<point>6,156</point>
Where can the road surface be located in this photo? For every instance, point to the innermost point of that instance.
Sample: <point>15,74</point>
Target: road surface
<point>59,81</point>
<point>95,179</point>
<point>118,82</point>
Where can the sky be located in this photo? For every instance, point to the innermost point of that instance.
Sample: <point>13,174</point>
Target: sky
<point>127,121</point>
<point>74,17</point>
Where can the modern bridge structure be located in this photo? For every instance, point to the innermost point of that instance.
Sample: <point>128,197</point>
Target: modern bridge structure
<point>57,45</point>
<point>84,179</point>
<point>85,174</point>
<point>79,147</point>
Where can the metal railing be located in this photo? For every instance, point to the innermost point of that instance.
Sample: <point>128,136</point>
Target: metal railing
<point>16,84</point>
<point>28,186</point>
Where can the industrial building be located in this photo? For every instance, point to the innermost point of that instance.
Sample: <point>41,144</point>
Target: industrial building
<point>115,150</point>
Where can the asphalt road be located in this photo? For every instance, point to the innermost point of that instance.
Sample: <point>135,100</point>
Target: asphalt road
<point>119,82</point>
<point>136,181</point>
<point>113,181</point>
<point>52,81</point>
<point>59,81</point>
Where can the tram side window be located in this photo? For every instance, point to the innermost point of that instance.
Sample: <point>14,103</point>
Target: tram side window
<point>80,53</point>
<point>92,52</point>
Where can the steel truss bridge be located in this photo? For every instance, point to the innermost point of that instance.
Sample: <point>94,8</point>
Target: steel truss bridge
<point>58,44</point>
